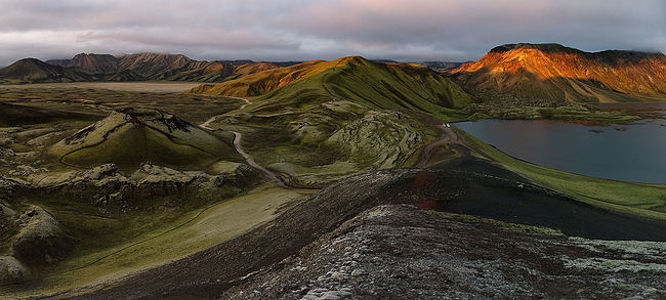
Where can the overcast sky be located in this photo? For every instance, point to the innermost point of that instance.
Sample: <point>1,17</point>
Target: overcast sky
<point>452,30</point>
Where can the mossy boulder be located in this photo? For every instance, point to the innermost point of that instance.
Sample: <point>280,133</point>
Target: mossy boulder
<point>12,271</point>
<point>5,211</point>
<point>41,238</point>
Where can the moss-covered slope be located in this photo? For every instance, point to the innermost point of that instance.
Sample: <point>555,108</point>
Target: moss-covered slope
<point>129,137</point>
<point>377,85</point>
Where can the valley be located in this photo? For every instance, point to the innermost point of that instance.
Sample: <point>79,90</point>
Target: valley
<point>312,180</point>
<point>131,86</point>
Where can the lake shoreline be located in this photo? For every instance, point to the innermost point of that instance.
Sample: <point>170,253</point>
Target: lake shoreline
<point>623,152</point>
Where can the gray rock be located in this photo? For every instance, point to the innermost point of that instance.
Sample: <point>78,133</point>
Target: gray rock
<point>413,254</point>
<point>12,271</point>
<point>357,272</point>
<point>339,276</point>
<point>324,294</point>
<point>5,152</point>
<point>5,211</point>
<point>41,238</point>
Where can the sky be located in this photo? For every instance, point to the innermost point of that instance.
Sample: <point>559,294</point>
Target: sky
<point>404,30</point>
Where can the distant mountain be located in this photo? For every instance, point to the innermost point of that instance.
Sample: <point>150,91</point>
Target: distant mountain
<point>237,62</point>
<point>149,64</point>
<point>34,70</point>
<point>58,62</point>
<point>286,63</point>
<point>442,65</point>
<point>132,67</point>
<point>544,74</point>
<point>379,85</point>
<point>95,63</point>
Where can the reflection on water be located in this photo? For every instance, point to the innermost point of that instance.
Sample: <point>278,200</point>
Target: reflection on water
<point>622,152</point>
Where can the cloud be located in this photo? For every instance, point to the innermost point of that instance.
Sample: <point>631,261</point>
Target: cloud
<point>301,29</point>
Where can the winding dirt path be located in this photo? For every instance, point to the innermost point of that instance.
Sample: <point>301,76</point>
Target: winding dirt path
<point>211,120</point>
<point>239,148</point>
<point>247,102</point>
<point>449,136</point>
<point>248,158</point>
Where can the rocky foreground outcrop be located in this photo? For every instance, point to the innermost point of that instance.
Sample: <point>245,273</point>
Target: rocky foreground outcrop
<point>399,251</point>
<point>311,247</point>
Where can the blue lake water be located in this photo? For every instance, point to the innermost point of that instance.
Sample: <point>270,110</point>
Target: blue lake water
<point>622,152</point>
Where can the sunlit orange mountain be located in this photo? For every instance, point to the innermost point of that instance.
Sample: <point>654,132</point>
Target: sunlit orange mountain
<point>546,73</point>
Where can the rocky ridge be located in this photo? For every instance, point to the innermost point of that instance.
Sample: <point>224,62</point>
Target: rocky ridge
<point>403,252</point>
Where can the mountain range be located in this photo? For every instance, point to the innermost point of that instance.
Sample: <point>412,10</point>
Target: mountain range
<point>132,67</point>
<point>141,67</point>
<point>509,75</point>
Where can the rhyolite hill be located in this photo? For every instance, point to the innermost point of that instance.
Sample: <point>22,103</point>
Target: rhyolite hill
<point>545,74</point>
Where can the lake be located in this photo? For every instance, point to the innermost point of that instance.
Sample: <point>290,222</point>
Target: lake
<point>622,152</point>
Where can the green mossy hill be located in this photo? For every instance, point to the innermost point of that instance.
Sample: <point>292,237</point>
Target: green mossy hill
<point>377,85</point>
<point>34,70</point>
<point>318,121</point>
<point>327,141</point>
<point>94,63</point>
<point>384,138</point>
<point>131,136</point>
